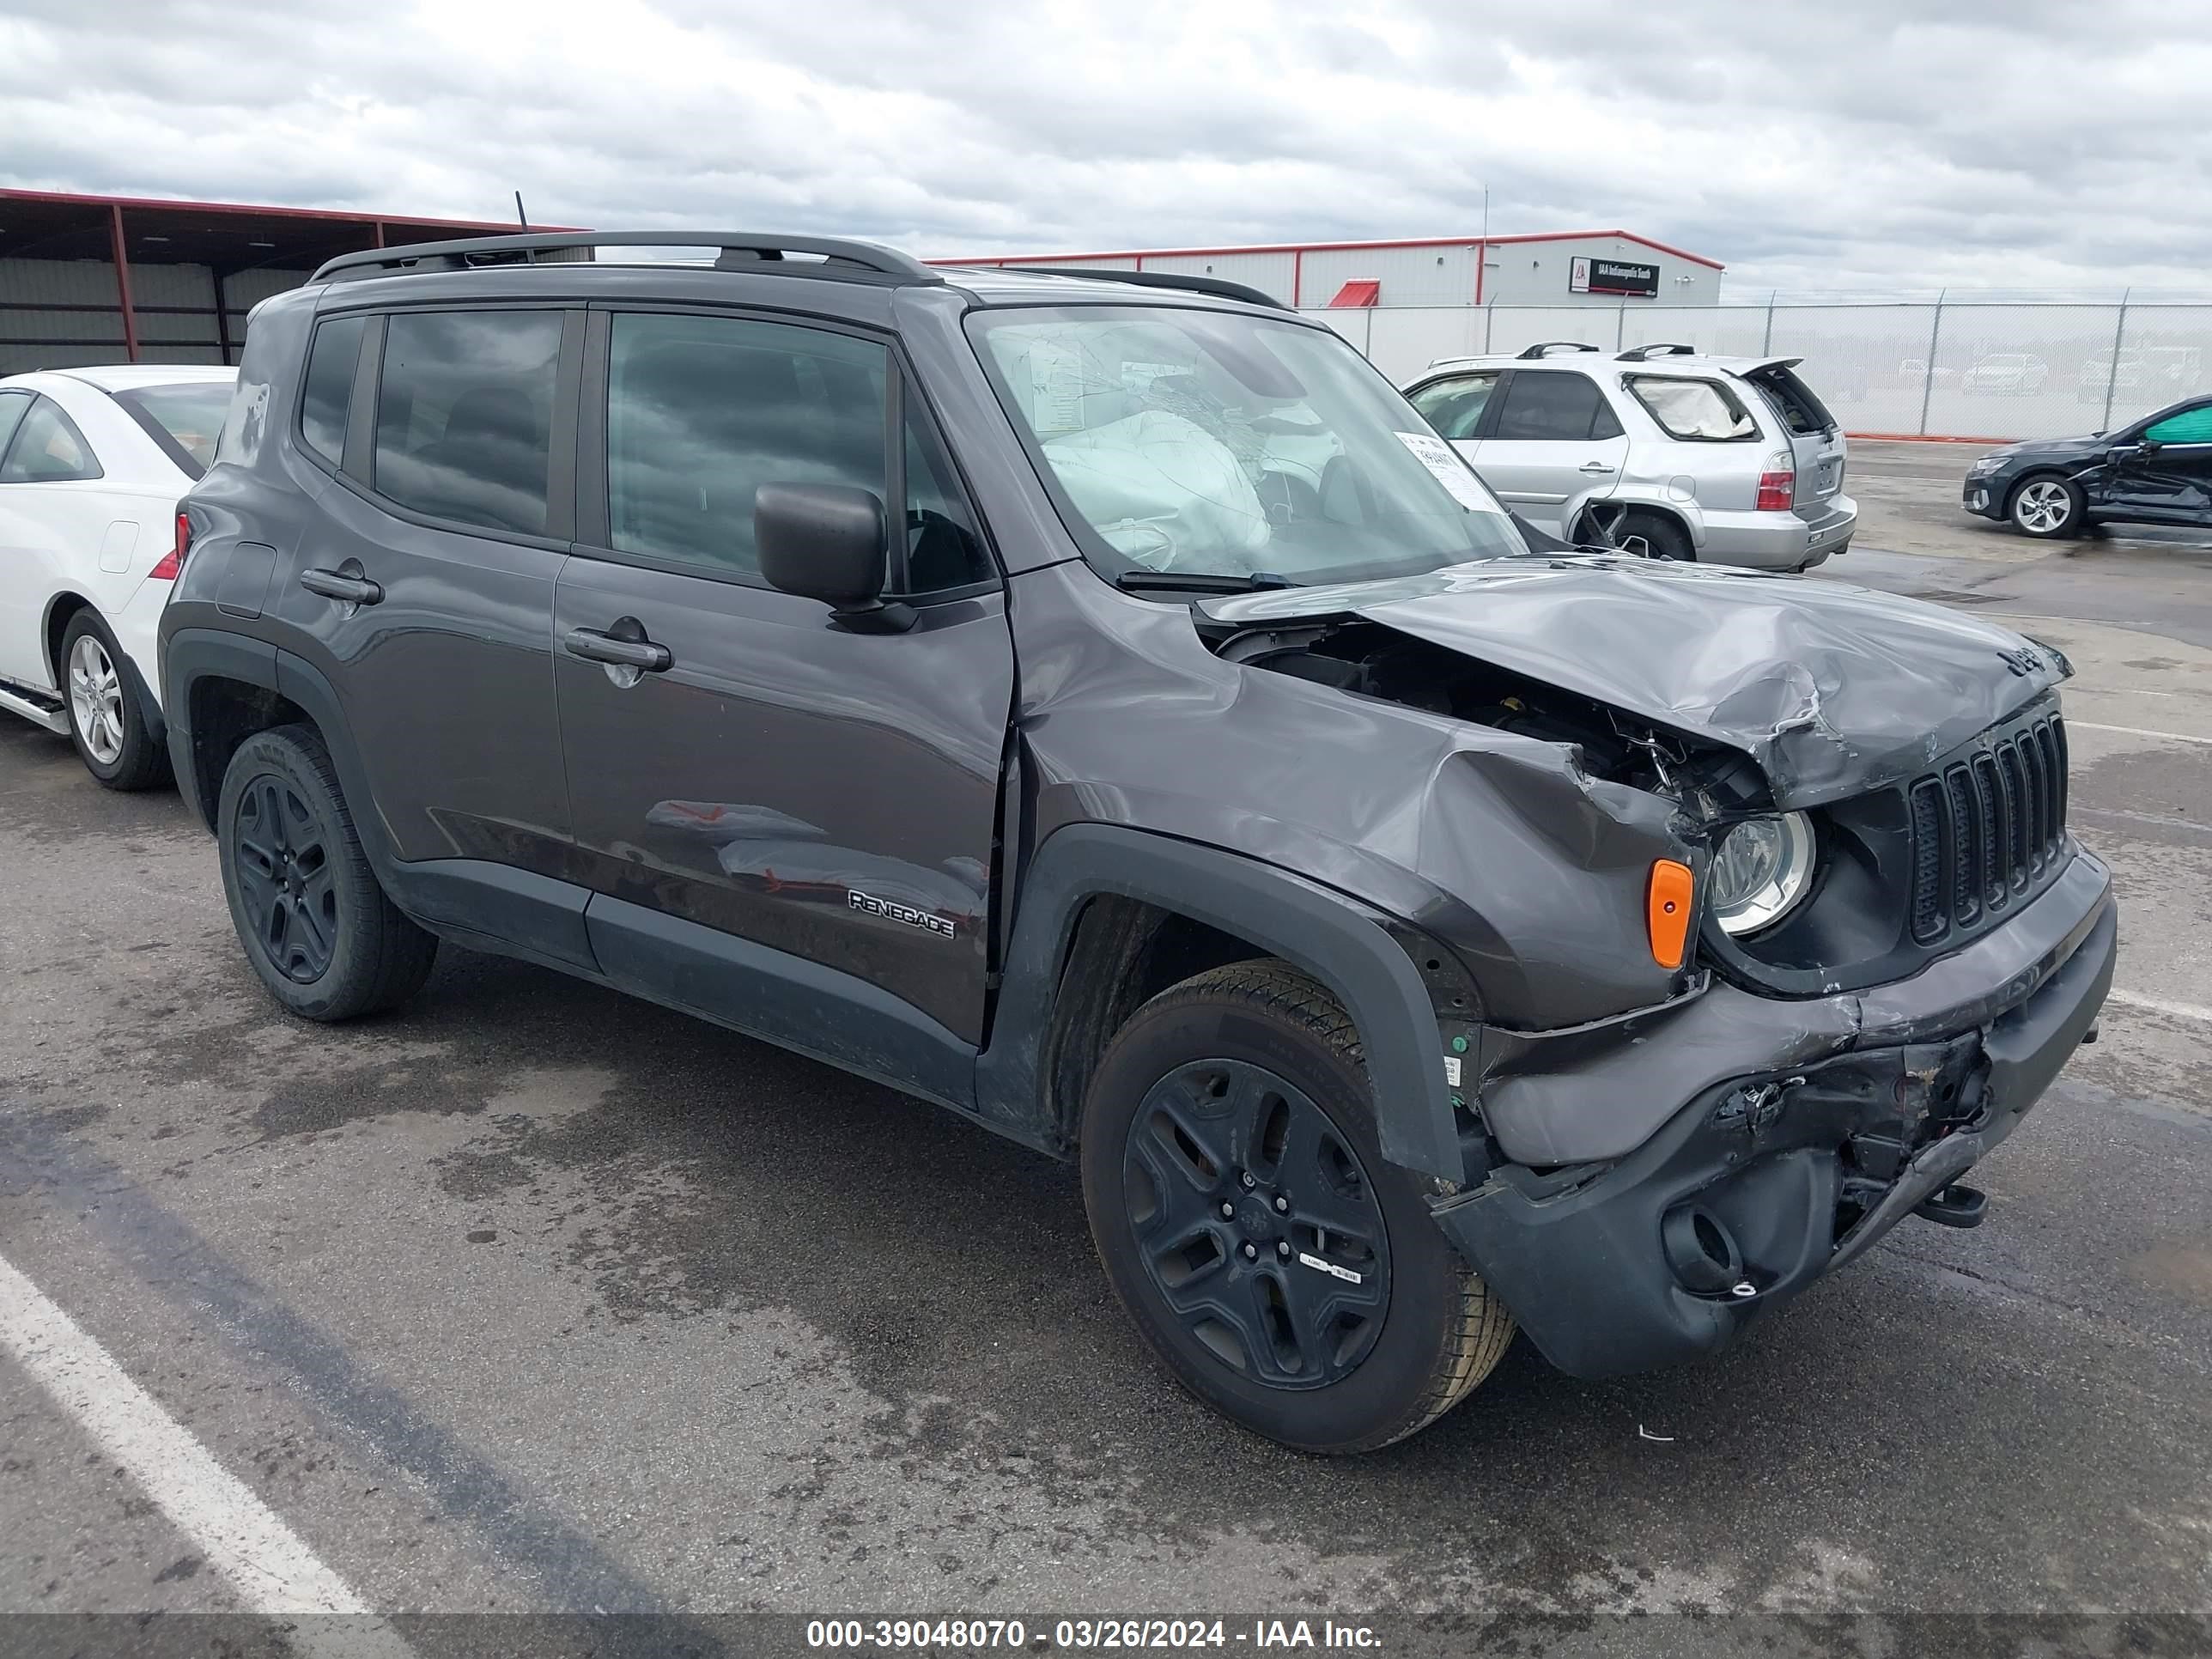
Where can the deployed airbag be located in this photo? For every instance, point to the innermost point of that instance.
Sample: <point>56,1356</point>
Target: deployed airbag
<point>1161,488</point>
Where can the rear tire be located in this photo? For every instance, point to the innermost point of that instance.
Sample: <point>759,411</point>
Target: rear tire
<point>1327,1310</point>
<point>308,908</point>
<point>1665,539</point>
<point>105,721</point>
<point>2047,507</point>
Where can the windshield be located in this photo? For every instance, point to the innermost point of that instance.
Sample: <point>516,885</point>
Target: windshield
<point>1215,444</point>
<point>183,419</point>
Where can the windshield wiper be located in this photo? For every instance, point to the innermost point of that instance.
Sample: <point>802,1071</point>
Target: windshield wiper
<point>1198,581</point>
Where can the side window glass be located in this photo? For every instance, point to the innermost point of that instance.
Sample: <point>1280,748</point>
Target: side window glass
<point>1699,411</point>
<point>2192,426</point>
<point>942,548</point>
<point>14,405</point>
<point>1549,405</point>
<point>48,449</point>
<point>464,415</point>
<point>704,410</point>
<point>1454,407</point>
<point>327,391</point>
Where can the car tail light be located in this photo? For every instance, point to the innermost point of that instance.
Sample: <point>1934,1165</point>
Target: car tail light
<point>1778,484</point>
<point>172,562</point>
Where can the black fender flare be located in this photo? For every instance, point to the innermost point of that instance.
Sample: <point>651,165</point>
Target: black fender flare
<point>1340,942</point>
<point>192,654</point>
<point>188,656</point>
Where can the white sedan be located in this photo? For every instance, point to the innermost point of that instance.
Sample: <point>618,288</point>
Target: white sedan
<point>92,464</point>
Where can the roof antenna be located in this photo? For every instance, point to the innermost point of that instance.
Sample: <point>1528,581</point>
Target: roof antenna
<point>529,254</point>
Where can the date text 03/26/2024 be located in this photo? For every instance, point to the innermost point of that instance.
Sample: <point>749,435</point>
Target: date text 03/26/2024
<point>890,1635</point>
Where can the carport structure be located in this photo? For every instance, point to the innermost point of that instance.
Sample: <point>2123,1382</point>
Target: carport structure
<point>102,279</point>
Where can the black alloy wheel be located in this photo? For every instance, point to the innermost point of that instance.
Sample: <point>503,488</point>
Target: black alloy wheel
<point>1283,1272</point>
<point>317,927</point>
<point>281,858</point>
<point>1256,1222</point>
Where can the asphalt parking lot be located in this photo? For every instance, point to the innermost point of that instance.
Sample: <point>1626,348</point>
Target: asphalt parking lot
<point>533,1298</point>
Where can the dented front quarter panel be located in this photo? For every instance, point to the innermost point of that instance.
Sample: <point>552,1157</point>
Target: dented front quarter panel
<point>1831,689</point>
<point>1497,845</point>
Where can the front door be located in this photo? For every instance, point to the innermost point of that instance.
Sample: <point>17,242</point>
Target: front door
<point>737,762</point>
<point>1552,446</point>
<point>2168,477</point>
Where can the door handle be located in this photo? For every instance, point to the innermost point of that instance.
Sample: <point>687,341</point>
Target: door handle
<point>346,583</point>
<point>1598,466</point>
<point>593,645</point>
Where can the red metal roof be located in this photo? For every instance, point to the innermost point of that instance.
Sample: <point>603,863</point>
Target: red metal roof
<point>1359,291</point>
<point>349,215</point>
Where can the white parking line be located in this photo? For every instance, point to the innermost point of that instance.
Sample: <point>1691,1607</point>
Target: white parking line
<point>2135,731</point>
<point>2160,1005</point>
<point>273,1572</point>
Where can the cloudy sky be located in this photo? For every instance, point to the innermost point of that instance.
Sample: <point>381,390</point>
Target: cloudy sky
<point>1889,144</point>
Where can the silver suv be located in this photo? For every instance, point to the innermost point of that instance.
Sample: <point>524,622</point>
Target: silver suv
<point>1731,459</point>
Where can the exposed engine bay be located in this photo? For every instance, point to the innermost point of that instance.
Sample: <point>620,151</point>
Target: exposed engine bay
<point>1370,660</point>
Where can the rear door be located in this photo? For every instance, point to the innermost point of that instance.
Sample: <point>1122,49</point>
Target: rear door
<point>54,506</point>
<point>768,776</point>
<point>1816,443</point>
<point>421,583</point>
<point>1550,443</point>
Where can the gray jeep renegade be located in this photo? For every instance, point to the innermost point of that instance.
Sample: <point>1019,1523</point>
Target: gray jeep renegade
<point>1098,703</point>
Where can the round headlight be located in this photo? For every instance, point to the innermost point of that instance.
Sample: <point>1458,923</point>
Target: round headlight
<point>1760,869</point>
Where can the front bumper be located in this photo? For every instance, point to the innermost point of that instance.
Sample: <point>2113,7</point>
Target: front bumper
<point>1984,495</point>
<point>1773,1175</point>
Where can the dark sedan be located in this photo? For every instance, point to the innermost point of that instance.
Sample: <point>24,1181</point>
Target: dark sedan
<point>2158,470</point>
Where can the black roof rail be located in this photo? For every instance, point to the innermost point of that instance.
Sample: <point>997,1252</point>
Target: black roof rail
<point>1544,347</point>
<point>1644,354</point>
<point>1219,287</point>
<point>739,249</point>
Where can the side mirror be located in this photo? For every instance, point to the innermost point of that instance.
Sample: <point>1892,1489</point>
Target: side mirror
<point>828,542</point>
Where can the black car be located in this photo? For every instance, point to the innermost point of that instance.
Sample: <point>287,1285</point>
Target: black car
<point>2159,470</point>
<point>1100,706</point>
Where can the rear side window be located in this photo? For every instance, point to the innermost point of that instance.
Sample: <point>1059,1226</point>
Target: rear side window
<point>1697,411</point>
<point>464,415</point>
<point>327,393</point>
<point>48,449</point>
<point>1793,400</point>
<point>183,420</point>
<point>1552,405</point>
<point>14,405</point>
<point>1455,406</point>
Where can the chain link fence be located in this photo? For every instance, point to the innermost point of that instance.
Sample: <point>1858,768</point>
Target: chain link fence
<point>1956,369</point>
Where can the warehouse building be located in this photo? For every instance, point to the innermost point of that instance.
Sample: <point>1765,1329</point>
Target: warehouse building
<point>1607,268</point>
<point>106,279</point>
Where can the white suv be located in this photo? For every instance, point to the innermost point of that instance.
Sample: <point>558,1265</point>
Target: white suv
<point>1731,459</point>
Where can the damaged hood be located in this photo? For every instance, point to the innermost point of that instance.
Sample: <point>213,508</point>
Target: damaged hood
<point>1833,689</point>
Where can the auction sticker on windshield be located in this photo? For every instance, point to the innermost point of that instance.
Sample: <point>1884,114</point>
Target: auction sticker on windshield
<point>1440,458</point>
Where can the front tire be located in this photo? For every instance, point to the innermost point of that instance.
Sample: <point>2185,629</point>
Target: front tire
<point>1287,1275</point>
<point>106,722</point>
<point>308,908</point>
<point>2047,507</point>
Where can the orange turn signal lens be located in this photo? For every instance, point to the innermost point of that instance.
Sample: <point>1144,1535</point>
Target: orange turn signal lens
<point>1668,911</point>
